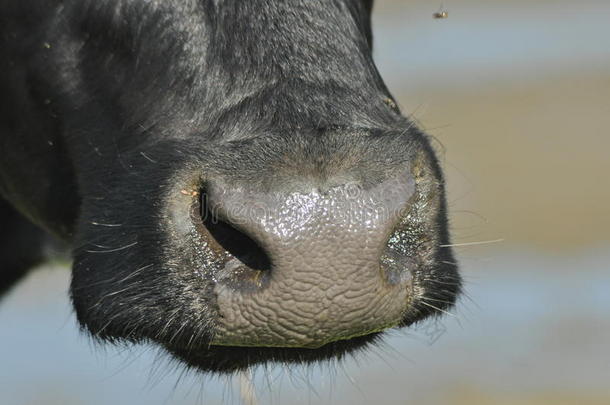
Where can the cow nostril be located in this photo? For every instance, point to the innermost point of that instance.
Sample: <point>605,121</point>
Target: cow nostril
<point>234,241</point>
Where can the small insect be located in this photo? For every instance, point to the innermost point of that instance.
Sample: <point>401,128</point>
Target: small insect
<point>440,14</point>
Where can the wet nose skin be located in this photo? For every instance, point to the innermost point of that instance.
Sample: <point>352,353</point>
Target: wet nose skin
<point>325,281</point>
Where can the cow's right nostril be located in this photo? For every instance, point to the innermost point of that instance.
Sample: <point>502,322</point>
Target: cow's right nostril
<point>232,240</point>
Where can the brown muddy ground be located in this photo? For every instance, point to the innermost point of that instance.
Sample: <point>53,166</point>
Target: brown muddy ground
<point>526,162</point>
<point>518,95</point>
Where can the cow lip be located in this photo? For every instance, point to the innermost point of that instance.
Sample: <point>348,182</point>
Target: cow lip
<point>229,359</point>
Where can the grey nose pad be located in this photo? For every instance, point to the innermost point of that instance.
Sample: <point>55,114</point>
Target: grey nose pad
<point>303,269</point>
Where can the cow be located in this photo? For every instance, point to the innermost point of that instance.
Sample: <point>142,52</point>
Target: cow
<point>235,181</point>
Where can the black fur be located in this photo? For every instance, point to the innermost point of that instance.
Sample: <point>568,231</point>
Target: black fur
<point>109,106</point>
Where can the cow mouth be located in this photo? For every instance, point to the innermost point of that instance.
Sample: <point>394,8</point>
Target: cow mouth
<point>209,356</point>
<point>230,359</point>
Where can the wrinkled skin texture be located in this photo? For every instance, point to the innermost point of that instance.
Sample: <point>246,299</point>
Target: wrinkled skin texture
<point>236,181</point>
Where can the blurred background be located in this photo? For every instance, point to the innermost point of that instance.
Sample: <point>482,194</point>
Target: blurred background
<point>516,94</point>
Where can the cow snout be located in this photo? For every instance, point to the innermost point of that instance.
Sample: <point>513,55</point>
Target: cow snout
<point>307,267</point>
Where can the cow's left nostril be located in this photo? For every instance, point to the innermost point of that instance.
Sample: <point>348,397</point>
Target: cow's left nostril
<point>232,240</point>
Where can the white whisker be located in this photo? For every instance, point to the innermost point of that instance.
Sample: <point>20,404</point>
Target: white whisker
<point>112,250</point>
<point>148,157</point>
<point>483,242</point>
<point>102,224</point>
<point>246,388</point>
<point>437,308</point>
